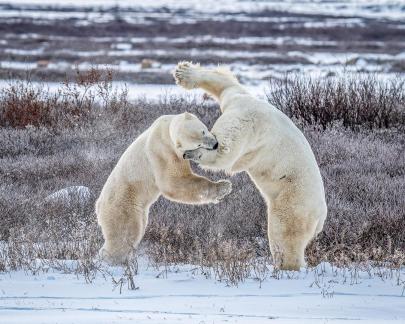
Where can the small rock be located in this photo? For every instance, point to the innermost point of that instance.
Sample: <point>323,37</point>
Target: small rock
<point>42,63</point>
<point>70,195</point>
<point>148,63</point>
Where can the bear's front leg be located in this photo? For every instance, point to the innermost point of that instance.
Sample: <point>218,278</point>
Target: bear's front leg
<point>221,190</point>
<point>193,189</point>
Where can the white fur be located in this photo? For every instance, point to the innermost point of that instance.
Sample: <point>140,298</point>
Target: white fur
<point>153,165</point>
<point>257,138</point>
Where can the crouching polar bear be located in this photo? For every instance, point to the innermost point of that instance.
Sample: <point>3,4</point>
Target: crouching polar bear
<point>151,166</point>
<point>257,138</point>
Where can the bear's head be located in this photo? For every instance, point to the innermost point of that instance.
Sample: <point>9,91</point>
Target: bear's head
<point>187,132</point>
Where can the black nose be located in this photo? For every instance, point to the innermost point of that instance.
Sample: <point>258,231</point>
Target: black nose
<point>184,156</point>
<point>215,146</point>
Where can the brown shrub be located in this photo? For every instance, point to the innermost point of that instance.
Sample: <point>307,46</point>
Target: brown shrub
<point>354,101</point>
<point>75,102</point>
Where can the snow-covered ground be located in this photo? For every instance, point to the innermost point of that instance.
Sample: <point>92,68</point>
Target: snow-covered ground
<point>147,91</point>
<point>259,40</point>
<point>323,295</point>
<point>389,9</point>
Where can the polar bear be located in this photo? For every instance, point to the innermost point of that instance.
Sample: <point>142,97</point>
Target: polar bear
<point>257,138</point>
<point>153,165</point>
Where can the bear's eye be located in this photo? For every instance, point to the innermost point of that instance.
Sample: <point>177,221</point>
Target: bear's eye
<point>199,145</point>
<point>203,132</point>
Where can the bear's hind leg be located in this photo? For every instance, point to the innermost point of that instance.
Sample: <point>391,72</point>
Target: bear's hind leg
<point>287,256</point>
<point>123,227</point>
<point>289,235</point>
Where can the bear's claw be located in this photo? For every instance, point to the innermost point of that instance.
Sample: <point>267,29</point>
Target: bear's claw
<point>183,74</point>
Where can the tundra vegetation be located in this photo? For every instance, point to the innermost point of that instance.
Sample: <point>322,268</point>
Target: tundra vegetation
<point>74,137</point>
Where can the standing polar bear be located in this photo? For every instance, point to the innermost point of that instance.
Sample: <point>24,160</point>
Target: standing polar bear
<point>153,165</point>
<point>257,138</point>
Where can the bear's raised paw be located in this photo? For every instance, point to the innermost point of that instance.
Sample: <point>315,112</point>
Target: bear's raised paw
<point>184,74</point>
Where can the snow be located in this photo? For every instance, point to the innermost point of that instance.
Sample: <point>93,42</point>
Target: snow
<point>321,295</point>
<point>124,51</point>
<point>147,91</point>
<point>254,40</point>
<point>388,9</point>
<point>339,58</point>
<point>18,65</point>
<point>16,51</point>
<point>123,46</point>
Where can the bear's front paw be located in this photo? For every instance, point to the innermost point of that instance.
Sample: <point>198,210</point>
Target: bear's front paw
<point>183,74</point>
<point>224,188</point>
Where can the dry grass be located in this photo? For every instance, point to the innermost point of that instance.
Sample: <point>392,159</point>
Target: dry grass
<point>355,101</point>
<point>77,136</point>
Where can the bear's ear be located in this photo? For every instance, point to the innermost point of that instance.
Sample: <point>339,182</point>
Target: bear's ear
<point>178,145</point>
<point>188,116</point>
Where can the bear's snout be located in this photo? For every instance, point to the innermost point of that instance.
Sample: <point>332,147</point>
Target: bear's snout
<point>210,143</point>
<point>192,155</point>
<point>188,155</point>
